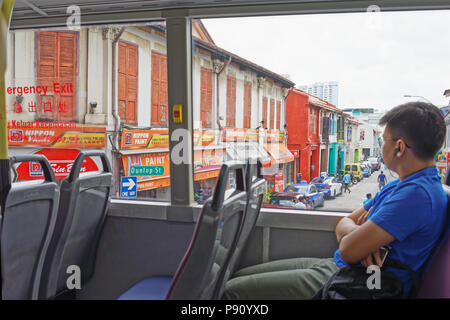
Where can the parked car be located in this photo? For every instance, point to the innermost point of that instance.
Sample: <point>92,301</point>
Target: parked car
<point>288,200</point>
<point>375,163</point>
<point>366,170</point>
<point>312,195</point>
<point>330,186</point>
<point>369,166</point>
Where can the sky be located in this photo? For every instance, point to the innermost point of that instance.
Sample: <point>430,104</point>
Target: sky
<point>377,57</point>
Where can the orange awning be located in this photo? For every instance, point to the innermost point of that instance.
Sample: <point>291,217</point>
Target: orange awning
<point>278,152</point>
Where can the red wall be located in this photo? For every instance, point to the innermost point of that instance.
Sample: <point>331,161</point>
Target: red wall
<point>299,137</point>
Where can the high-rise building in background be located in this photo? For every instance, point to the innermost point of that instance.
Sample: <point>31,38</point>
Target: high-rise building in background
<point>328,91</point>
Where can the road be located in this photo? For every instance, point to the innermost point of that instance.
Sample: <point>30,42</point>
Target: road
<point>348,202</point>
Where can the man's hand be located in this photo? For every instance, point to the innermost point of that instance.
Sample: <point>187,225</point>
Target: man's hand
<point>363,217</point>
<point>371,259</point>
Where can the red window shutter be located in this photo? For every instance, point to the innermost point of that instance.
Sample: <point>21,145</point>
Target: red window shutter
<point>231,102</point>
<point>57,63</point>
<point>247,104</point>
<point>67,73</point>
<point>156,90</point>
<point>272,113</point>
<point>122,79</point>
<point>164,91</point>
<point>209,101</point>
<point>278,114</point>
<point>127,81</point>
<point>264,112</point>
<point>159,89</point>
<point>47,66</point>
<point>206,98</point>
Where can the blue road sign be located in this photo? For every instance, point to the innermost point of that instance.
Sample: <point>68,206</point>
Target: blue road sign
<point>128,187</point>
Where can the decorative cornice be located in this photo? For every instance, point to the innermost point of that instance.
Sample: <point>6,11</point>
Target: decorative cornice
<point>218,65</point>
<point>110,33</point>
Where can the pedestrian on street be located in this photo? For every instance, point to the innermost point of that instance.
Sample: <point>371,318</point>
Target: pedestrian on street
<point>381,180</point>
<point>299,177</point>
<point>368,196</point>
<point>347,179</point>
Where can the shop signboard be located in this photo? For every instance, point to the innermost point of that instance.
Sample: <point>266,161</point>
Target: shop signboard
<point>236,134</point>
<point>46,134</point>
<point>61,161</point>
<point>442,161</point>
<point>144,139</point>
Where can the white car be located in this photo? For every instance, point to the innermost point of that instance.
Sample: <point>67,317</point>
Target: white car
<point>336,187</point>
<point>329,186</point>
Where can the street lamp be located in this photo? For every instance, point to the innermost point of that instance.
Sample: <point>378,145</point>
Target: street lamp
<point>411,96</point>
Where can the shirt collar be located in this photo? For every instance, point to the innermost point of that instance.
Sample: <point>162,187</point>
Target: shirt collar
<point>430,171</point>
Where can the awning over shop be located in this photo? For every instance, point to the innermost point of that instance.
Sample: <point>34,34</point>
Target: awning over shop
<point>247,150</point>
<point>207,172</point>
<point>278,152</point>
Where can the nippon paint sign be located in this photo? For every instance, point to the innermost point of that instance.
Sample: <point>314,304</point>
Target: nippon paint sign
<point>61,161</point>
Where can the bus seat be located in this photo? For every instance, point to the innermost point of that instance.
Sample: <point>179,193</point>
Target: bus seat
<point>255,192</point>
<point>82,210</point>
<point>28,223</point>
<point>212,243</point>
<point>436,274</point>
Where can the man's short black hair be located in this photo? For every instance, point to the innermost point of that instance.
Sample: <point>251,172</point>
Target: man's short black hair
<point>420,124</point>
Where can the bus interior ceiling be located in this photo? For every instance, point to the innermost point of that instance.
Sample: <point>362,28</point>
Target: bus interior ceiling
<point>144,238</point>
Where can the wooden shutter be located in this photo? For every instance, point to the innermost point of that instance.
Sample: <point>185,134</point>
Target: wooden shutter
<point>127,81</point>
<point>247,104</point>
<point>264,111</point>
<point>159,89</point>
<point>272,113</point>
<point>47,66</point>
<point>231,102</point>
<point>206,98</point>
<point>57,65</point>
<point>278,115</point>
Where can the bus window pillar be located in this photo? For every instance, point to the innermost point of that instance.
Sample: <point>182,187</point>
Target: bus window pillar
<point>179,68</point>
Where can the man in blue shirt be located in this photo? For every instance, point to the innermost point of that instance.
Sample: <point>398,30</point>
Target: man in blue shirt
<point>347,179</point>
<point>381,180</point>
<point>407,214</point>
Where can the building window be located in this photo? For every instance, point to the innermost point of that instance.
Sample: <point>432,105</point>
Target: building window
<point>127,81</point>
<point>231,102</point>
<point>264,112</point>
<point>206,98</point>
<point>247,104</point>
<point>278,115</point>
<point>57,63</point>
<point>159,89</point>
<point>272,113</point>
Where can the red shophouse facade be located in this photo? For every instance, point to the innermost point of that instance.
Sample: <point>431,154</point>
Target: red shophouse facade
<point>302,120</point>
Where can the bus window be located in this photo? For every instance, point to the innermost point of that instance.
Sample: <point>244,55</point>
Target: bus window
<point>328,119</point>
<point>99,87</point>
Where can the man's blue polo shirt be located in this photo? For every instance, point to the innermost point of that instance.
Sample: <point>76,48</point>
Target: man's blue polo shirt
<point>413,211</point>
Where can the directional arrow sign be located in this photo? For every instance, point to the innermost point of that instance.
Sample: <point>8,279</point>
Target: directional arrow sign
<point>130,184</point>
<point>128,187</point>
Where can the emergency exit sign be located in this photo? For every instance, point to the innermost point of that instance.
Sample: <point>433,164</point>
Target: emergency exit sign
<point>146,170</point>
